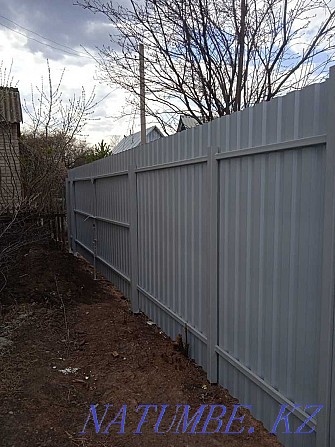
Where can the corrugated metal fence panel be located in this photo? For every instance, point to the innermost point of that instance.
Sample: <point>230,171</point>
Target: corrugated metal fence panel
<point>109,165</point>
<point>84,191</point>
<point>112,195</point>
<point>299,114</point>
<point>270,258</point>
<point>112,211</point>
<point>171,241</point>
<point>114,255</point>
<point>270,163</point>
<point>84,207</point>
<point>113,246</point>
<point>103,198</point>
<point>181,146</point>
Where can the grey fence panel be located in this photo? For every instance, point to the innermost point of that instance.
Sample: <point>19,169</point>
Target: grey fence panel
<point>113,246</point>
<point>101,217</point>
<point>84,196</point>
<point>271,208</point>
<point>112,198</point>
<point>112,226</point>
<point>225,232</point>
<point>263,405</point>
<point>172,242</point>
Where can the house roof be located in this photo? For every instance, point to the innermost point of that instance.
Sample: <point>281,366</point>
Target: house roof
<point>10,105</point>
<point>134,140</point>
<point>186,122</point>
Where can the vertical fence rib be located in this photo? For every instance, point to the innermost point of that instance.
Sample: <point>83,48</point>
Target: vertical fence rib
<point>328,278</point>
<point>133,234</point>
<point>68,210</point>
<point>212,265</point>
<point>73,219</point>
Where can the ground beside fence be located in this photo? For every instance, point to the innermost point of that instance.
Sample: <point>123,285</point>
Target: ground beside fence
<point>55,317</point>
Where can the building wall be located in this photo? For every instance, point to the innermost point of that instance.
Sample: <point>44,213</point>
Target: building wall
<point>10,188</point>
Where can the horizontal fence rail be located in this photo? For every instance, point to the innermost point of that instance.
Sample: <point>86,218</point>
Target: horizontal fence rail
<point>226,232</point>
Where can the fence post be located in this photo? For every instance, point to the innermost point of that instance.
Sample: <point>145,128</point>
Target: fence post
<point>212,265</point>
<point>325,429</point>
<point>73,218</point>
<point>68,213</point>
<point>133,234</point>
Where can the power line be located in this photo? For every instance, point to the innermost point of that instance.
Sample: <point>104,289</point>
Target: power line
<point>43,43</point>
<point>45,38</point>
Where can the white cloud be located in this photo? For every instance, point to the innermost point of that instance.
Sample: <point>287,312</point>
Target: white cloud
<point>29,68</point>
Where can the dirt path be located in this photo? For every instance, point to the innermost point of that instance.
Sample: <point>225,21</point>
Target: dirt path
<point>54,317</point>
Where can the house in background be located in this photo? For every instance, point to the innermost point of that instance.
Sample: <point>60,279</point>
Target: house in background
<point>10,120</point>
<point>186,122</point>
<point>134,140</point>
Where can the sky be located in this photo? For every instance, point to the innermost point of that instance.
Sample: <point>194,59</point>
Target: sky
<point>24,24</point>
<point>74,28</point>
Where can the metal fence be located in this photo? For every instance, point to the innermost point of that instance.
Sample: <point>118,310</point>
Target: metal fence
<point>229,228</point>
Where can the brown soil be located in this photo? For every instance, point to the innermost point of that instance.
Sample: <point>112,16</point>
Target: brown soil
<point>55,316</point>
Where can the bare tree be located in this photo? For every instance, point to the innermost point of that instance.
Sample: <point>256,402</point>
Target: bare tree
<point>49,113</point>
<point>6,77</point>
<point>208,58</point>
<point>33,166</point>
<point>50,145</point>
<point>52,141</point>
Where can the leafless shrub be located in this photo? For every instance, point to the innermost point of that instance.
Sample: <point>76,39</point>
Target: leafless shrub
<point>34,165</point>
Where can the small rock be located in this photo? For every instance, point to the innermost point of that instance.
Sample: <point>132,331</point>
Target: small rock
<point>68,370</point>
<point>151,323</point>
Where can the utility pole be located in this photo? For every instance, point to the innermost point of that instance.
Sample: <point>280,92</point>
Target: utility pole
<point>142,94</point>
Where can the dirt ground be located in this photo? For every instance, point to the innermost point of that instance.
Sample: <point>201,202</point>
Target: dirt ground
<point>55,316</point>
